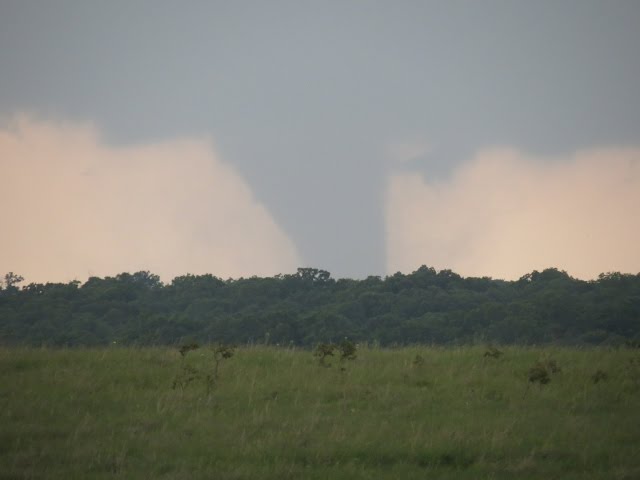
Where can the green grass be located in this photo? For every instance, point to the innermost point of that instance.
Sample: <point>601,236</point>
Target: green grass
<point>277,414</point>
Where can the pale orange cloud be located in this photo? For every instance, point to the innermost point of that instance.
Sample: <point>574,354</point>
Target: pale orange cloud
<point>74,207</point>
<point>505,214</point>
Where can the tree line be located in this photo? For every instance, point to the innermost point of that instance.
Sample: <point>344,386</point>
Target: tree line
<point>309,307</point>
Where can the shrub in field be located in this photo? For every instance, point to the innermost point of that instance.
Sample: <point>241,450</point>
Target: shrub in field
<point>599,376</point>
<point>221,352</point>
<point>348,350</point>
<point>634,343</point>
<point>493,352</point>
<point>552,365</point>
<point>417,379</point>
<point>418,361</point>
<point>186,348</point>
<point>323,351</point>
<point>188,373</point>
<point>632,371</point>
<point>539,374</point>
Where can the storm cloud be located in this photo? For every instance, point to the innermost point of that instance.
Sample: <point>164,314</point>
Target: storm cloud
<point>505,213</point>
<point>75,207</point>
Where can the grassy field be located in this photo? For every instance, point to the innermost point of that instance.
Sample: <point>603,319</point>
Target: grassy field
<point>277,414</point>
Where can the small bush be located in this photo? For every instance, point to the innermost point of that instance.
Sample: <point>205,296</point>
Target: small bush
<point>186,348</point>
<point>220,352</point>
<point>553,367</point>
<point>539,373</point>
<point>323,351</point>
<point>599,376</point>
<point>418,361</point>
<point>348,350</point>
<point>493,352</point>
<point>187,375</point>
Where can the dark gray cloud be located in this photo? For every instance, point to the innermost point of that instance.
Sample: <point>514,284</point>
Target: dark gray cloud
<point>305,99</point>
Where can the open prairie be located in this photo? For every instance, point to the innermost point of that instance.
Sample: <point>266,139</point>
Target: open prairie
<point>276,413</point>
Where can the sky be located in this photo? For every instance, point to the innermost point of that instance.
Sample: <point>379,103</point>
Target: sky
<point>361,137</point>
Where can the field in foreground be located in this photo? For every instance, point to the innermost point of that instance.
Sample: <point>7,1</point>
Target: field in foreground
<point>277,414</point>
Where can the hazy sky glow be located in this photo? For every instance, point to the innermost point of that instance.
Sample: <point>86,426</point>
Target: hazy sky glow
<point>243,138</point>
<point>504,215</point>
<point>80,208</point>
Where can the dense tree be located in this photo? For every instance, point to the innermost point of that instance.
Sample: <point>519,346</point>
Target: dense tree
<point>10,281</point>
<point>308,307</point>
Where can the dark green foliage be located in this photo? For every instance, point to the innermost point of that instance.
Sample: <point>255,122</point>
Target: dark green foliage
<point>539,373</point>
<point>348,350</point>
<point>220,352</point>
<point>189,373</point>
<point>552,365</point>
<point>423,383</point>
<point>323,351</point>
<point>184,349</point>
<point>309,307</point>
<point>185,377</point>
<point>599,376</point>
<point>11,280</point>
<point>223,351</point>
<point>493,352</point>
<point>418,361</point>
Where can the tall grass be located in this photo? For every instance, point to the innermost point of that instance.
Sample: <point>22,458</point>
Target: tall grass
<point>277,414</point>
